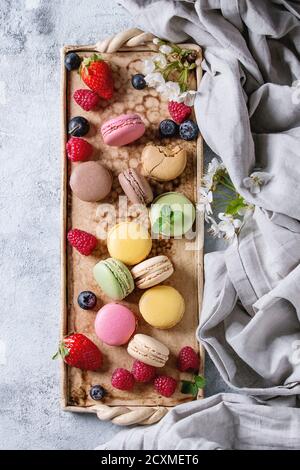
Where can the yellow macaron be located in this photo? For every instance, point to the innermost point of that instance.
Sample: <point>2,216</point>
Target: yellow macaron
<point>129,242</point>
<point>162,307</point>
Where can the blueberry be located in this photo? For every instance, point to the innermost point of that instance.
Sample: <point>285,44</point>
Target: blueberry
<point>97,392</point>
<point>72,61</point>
<point>78,126</point>
<point>188,130</point>
<point>138,81</point>
<point>168,128</point>
<point>87,300</point>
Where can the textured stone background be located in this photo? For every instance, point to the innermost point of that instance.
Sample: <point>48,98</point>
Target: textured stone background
<point>32,32</point>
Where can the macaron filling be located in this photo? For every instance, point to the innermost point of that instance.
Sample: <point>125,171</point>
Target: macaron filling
<point>152,272</point>
<point>123,279</point>
<point>111,126</point>
<point>130,178</point>
<point>148,350</point>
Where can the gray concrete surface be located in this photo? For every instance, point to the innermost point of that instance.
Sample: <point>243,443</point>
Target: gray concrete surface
<point>32,31</point>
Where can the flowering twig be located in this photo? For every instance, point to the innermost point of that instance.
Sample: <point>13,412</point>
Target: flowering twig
<point>169,71</point>
<point>219,194</point>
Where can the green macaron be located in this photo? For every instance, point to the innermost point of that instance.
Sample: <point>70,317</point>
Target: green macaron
<point>114,278</point>
<point>172,214</point>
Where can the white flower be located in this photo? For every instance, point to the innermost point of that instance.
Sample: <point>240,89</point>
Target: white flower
<point>212,169</point>
<point>169,90</point>
<point>149,66</point>
<point>256,180</point>
<point>228,226</point>
<point>160,60</point>
<point>215,165</point>
<point>214,227</point>
<point>154,79</point>
<point>205,199</point>
<point>246,212</point>
<point>156,41</point>
<point>164,49</point>
<point>187,97</point>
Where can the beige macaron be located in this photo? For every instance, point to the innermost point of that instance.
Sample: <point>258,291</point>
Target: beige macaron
<point>164,163</point>
<point>148,350</point>
<point>152,271</point>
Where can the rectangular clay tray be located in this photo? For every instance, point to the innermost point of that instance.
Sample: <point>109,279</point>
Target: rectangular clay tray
<point>77,269</point>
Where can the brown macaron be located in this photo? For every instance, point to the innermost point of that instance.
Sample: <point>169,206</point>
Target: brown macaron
<point>136,187</point>
<point>90,181</point>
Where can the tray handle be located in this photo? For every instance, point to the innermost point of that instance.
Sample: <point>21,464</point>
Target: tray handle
<point>126,416</point>
<point>130,38</point>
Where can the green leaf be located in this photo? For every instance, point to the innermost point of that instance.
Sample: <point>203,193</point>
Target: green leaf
<point>156,227</point>
<point>177,216</point>
<point>63,351</point>
<point>235,205</point>
<point>200,381</point>
<point>166,211</point>
<point>189,388</point>
<point>165,228</point>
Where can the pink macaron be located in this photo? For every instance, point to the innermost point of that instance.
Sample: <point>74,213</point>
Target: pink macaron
<point>122,130</point>
<point>115,324</point>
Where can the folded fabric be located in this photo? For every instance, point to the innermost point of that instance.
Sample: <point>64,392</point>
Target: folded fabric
<point>222,422</point>
<point>250,321</point>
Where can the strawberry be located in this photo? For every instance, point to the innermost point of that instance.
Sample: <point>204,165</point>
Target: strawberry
<point>165,385</point>
<point>142,372</point>
<point>96,74</point>
<point>86,99</point>
<point>79,351</point>
<point>179,111</point>
<point>122,379</point>
<point>188,360</point>
<point>83,241</point>
<point>78,150</point>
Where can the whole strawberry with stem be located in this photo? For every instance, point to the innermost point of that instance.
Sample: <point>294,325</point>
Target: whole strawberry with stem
<point>86,99</point>
<point>79,150</point>
<point>77,350</point>
<point>84,242</point>
<point>97,75</point>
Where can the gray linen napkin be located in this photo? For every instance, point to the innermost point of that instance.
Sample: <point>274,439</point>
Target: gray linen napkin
<point>222,422</point>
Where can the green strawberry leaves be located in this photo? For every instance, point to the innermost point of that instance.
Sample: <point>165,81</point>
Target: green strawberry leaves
<point>191,388</point>
<point>62,352</point>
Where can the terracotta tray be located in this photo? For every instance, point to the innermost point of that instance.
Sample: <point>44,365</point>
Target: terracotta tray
<point>77,269</point>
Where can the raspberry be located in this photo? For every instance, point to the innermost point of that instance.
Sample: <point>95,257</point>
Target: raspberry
<point>78,150</point>
<point>188,360</point>
<point>122,379</point>
<point>142,372</point>
<point>86,99</point>
<point>84,242</point>
<point>165,385</point>
<point>179,111</point>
